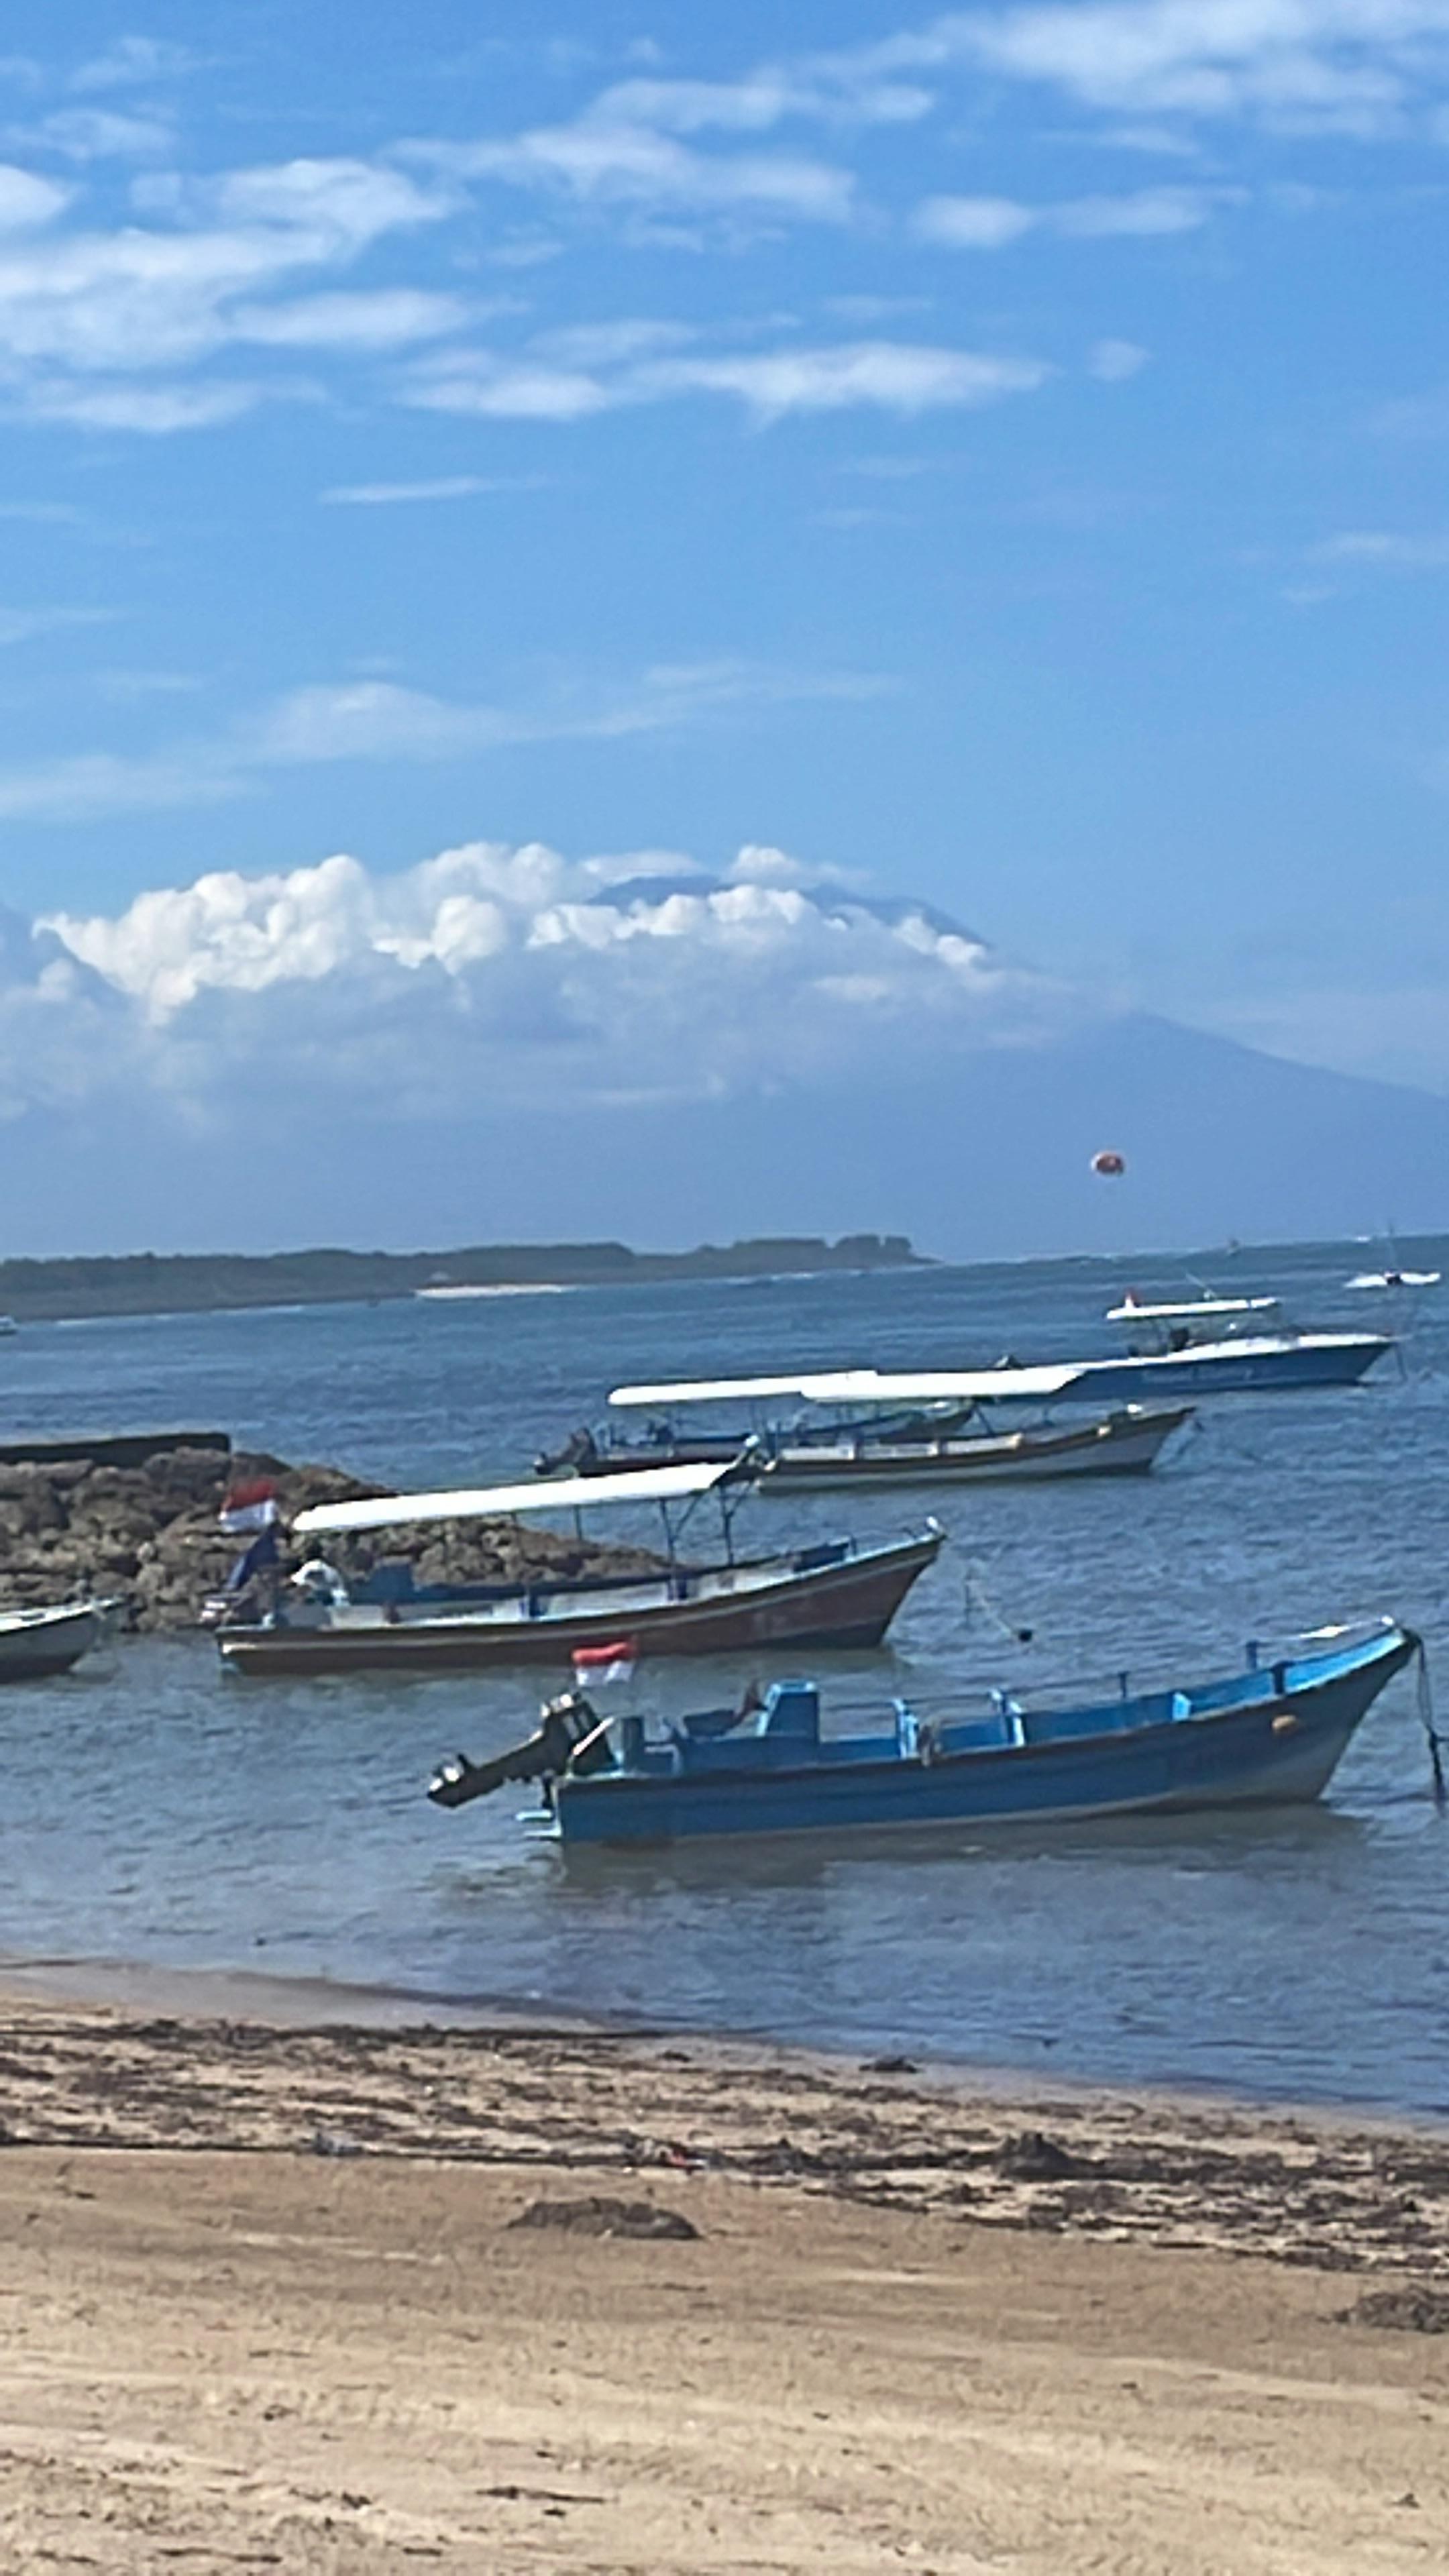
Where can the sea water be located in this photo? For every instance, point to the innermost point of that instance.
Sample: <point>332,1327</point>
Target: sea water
<point>156,1810</point>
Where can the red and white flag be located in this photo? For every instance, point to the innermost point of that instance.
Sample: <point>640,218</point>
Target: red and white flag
<point>250,1506</point>
<point>612,1663</point>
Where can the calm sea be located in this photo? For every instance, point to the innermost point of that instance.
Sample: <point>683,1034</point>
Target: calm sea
<point>153,1810</point>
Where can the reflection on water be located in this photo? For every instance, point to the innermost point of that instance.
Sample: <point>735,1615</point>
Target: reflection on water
<point>154,1809</point>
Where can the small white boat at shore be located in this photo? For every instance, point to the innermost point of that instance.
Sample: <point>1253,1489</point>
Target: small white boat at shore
<point>35,1643</point>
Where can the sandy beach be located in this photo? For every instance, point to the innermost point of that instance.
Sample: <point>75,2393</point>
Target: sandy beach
<point>345,2297</point>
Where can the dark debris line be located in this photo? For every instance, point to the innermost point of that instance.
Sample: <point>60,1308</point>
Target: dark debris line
<point>1333,2198</point>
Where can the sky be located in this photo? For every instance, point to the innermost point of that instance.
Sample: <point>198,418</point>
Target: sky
<point>458,462</point>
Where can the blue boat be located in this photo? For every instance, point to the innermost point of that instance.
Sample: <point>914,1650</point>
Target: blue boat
<point>1227,1346</point>
<point>1274,1732</point>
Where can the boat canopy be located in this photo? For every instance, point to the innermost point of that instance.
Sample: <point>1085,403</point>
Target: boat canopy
<point>865,1386</point>
<point>564,1493</point>
<point>1131,1312</point>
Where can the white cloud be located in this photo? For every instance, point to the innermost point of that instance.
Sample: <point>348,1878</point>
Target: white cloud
<point>993,223</point>
<point>83,315</point>
<point>26,201</point>
<point>637,145</point>
<point>134,59</point>
<point>519,977</point>
<point>99,134</point>
<point>1351,66</point>
<point>441,487</point>
<point>881,375</point>
<point>1113,361</point>
<point>1381,549</point>
<point>616,164</point>
<point>379,720</point>
<point>152,411</point>
<point>22,625</point>
<point>974,223</point>
<point>382,318</point>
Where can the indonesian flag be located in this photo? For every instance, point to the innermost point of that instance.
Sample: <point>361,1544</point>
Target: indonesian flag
<point>613,1663</point>
<point>250,1506</point>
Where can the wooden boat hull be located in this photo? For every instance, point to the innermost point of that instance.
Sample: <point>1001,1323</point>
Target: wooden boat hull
<point>37,1643</point>
<point>848,1602</point>
<point>1121,1444</point>
<point>1282,1744</point>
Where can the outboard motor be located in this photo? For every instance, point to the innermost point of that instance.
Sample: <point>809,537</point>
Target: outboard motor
<point>563,1724</point>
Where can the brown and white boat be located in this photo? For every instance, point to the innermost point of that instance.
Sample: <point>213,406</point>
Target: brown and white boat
<point>834,1595</point>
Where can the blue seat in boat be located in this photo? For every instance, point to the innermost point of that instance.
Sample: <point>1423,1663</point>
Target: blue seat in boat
<point>791,1709</point>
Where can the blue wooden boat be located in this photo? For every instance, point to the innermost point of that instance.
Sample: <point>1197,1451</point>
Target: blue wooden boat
<point>1273,1732</point>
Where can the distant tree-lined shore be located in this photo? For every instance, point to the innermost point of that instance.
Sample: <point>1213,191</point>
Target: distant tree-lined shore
<point>150,1283</point>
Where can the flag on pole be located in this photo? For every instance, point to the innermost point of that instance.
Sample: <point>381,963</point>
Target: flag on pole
<point>250,1506</point>
<point>611,1663</point>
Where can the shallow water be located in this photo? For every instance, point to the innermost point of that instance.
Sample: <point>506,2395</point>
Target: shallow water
<point>159,1811</point>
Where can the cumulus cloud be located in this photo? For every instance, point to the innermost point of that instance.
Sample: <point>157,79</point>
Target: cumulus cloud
<point>519,976</point>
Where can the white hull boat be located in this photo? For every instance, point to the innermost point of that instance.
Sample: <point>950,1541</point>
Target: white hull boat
<point>35,1643</point>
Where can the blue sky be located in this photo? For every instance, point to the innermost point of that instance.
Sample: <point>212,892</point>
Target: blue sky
<point>997,456</point>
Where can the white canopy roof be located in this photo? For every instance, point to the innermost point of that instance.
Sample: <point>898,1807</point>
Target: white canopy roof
<point>1131,1312</point>
<point>565,1493</point>
<point>865,1386</point>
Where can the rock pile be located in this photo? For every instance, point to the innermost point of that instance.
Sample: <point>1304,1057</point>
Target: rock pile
<point>150,1533</point>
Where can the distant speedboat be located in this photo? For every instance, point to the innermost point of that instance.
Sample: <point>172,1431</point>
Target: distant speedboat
<point>1273,1733</point>
<point>1228,1346</point>
<point>8,1324</point>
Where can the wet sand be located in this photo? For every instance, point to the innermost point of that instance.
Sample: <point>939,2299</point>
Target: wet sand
<point>265,2303</point>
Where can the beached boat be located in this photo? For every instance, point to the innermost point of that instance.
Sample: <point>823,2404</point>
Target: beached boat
<point>34,1643</point>
<point>1271,1733</point>
<point>930,1446</point>
<point>837,1594</point>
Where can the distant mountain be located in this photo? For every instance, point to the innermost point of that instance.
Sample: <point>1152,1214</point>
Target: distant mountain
<point>490,1047</point>
<point>987,1156</point>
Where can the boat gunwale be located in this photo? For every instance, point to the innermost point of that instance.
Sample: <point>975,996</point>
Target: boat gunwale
<point>1395,1647</point>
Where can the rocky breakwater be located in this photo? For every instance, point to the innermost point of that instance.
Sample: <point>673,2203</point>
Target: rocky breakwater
<point>150,1534</point>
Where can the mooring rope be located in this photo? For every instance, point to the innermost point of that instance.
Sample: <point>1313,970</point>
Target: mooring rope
<point>1432,1735</point>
